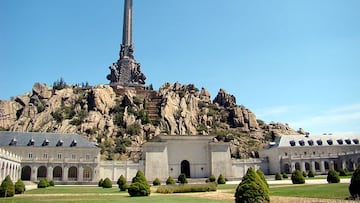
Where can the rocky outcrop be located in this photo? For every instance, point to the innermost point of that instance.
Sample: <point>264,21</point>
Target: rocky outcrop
<point>122,119</point>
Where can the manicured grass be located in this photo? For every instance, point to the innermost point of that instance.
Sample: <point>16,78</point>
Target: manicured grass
<point>112,198</point>
<point>74,190</point>
<point>326,191</point>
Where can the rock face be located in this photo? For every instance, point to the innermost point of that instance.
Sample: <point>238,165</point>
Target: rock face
<point>121,120</point>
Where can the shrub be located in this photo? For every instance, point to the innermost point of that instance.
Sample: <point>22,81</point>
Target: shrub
<point>211,179</point>
<point>43,183</point>
<point>297,177</point>
<point>19,187</point>
<point>139,189</point>
<point>107,183</point>
<point>7,188</point>
<point>304,174</point>
<point>278,176</point>
<point>170,181</point>
<point>51,183</point>
<point>343,172</point>
<point>221,180</point>
<point>182,179</point>
<point>139,186</point>
<point>354,187</point>
<point>332,176</point>
<point>262,177</point>
<point>285,176</point>
<point>156,182</point>
<point>311,174</point>
<point>187,188</point>
<point>122,183</point>
<point>251,189</point>
<point>100,182</point>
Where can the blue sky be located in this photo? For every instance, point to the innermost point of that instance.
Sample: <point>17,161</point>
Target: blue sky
<point>292,61</point>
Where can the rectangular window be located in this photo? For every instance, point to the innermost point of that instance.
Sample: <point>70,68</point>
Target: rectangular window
<point>30,155</point>
<point>87,157</point>
<point>45,156</point>
<point>59,156</point>
<point>73,156</point>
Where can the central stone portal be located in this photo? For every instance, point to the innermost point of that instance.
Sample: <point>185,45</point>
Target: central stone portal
<point>126,71</point>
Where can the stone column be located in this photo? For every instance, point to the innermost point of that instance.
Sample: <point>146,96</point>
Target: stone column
<point>313,166</point>
<point>292,167</point>
<point>80,174</point>
<point>65,173</point>
<point>127,26</point>
<point>343,164</point>
<point>49,173</point>
<point>302,166</point>
<point>322,166</point>
<point>331,165</point>
<point>33,174</point>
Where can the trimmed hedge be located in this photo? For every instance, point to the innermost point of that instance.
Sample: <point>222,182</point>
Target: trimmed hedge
<point>252,189</point>
<point>187,188</point>
<point>354,187</point>
<point>170,181</point>
<point>139,186</point>
<point>107,183</point>
<point>333,177</point>
<point>221,179</point>
<point>182,179</point>
<point>43,183</point>
<point>262,177</point>
<point>100,182</point>
<point>7,188</point>
<point>122,183</point>
<point>156,182</point>
<point>311,174</point>
<point>285,176</point>
<point>19,187</point>
<point>278,176</point>
<point>211,179</point>
<point>51,183</point>
<point>297,177</point>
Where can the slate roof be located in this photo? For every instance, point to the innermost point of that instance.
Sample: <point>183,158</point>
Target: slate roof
<point>35,139</point>
<point>318,140</point>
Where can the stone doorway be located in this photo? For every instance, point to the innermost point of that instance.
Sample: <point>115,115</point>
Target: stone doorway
<point>185,168</point>
<point>26,173</point>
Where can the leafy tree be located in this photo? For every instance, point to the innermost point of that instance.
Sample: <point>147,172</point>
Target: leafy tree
<point>262,177</point>
<point>156,182</point>
<point>139,186</point>
<point>354,187</point>
<point>19,187</point>
<point>221,180</point>
<point>297,177</point>
<point>122,183</point>
<point>251,189</point>
<point>311,174</point>
<point>182,179</point>
<point>7,188</point>
<point>59,84</point>
<point>170,181</point>
<point>278,176</point>
<point>332,176</point>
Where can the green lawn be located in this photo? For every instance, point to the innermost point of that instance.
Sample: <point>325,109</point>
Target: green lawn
<point>326,191</point>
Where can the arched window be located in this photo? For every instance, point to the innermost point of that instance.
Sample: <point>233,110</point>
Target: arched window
<point>73,173</point>
<point>87,174</point>
<point>26,173</point>
<point>57,173</point>
<point>42,172</point>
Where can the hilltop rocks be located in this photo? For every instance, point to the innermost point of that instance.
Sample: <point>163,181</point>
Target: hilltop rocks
<point>224,99</point>
<point>122,119</point>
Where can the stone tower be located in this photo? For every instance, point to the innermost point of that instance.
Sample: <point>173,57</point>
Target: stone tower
<point>126,71</point>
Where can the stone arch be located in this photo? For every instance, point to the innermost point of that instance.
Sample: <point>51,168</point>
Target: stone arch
<point>336,165</point>
<point>185,168</point>
<point>297,166</point>
<point>87,174</point>
<point>317,166</point>
<point>73,173</point>
<point>307,166</point>
<point>26,173</point>
<point>57,173</point>
<point>42,172</point>
<point>286,168</point>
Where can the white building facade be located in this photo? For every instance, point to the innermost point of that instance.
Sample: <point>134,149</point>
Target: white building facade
<point>9,165</point>
<point>312,152</point>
